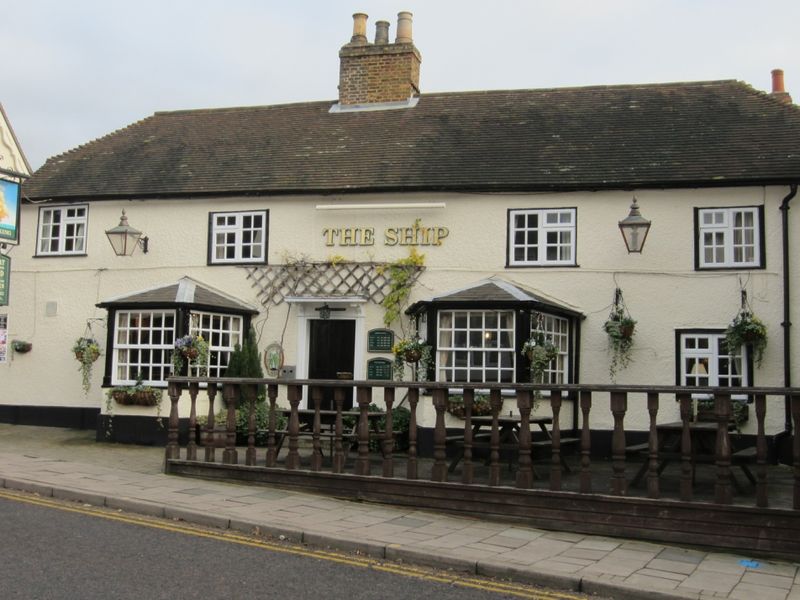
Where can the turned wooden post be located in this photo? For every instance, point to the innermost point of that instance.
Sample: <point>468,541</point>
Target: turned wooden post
<point>364,397</point>
<point>293,393</point>
<point>173,451</point>
<point>316,445</point>
<point>586,443</point>
<point>191,446</point>
<point>467,468</point>
<point>687,465</point>
<point>555,434</point>
<point>209,437</point>
<point>439,469</point>
<point>619,405</point>
<point>231,392</point>
<point>652,465</point>
<point>388,439</point>
<point>761,452</point>
<point>272,455</point>
<point>525,466</point>
<point>250,392</point>
<point>411,468</point>
<point>722,411</point>
<point>496,403</point>
<point>337,465</point>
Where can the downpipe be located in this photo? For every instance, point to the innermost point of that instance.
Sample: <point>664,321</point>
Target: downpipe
<point>783,439</point>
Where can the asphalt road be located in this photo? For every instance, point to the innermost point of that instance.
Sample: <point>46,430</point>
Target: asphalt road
<point>58,550</point>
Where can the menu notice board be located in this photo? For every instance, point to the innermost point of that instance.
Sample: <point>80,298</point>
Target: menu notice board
<point>379,369</point>
<point>380,340</point>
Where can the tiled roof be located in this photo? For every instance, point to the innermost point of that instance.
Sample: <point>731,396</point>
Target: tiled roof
<point>494,291</point>
<point>186,291</point>
<point>634,136</point>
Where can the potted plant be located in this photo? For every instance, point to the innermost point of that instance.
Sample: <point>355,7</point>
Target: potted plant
<point>540,352</point>
<point>138,394</point>
<point>740,411</point>
<point>144,395</point>
<point>480,406</point>
<point>86,351</point>
<point>21,346</point>
<point>746,329</point>
<point>412,351</point>
<point>620,328</point>
<point>191,349</point>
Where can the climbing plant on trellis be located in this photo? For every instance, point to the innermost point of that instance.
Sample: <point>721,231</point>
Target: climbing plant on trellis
<point>370,280</point>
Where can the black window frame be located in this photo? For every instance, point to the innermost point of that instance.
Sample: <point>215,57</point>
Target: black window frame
<point>761,246</point>
<point>211,261</point>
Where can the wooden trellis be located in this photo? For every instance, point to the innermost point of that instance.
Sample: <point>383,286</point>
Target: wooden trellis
<point>369,280</point>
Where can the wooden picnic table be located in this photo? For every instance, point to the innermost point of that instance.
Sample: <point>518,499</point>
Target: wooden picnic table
<point>703,436</point>
<point>509,428</point>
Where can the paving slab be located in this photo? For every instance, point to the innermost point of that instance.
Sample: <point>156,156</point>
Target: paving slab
<point>70,465</point>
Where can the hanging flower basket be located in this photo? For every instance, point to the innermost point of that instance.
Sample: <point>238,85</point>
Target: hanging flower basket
<point>540,352</point>
<point>21,347</point>
<point>91,355</point>
<point>191,349</point>
<point>619,328</point>
<point>412,355</point>
<point>747,329</point>
<point>86,351</point>
<point>413,352</point>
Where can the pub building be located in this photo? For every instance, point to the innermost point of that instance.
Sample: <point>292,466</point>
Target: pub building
<point>503,208</point>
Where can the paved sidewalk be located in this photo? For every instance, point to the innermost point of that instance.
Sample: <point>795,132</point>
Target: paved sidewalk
<point>68,464</point>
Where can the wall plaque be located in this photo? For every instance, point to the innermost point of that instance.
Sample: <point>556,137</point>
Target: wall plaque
<point>273,359</point>
<point>380,340</point>
<point>380,369</point>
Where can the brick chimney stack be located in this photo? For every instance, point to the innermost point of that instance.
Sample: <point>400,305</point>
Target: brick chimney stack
<point>379,72</point>
<point>778,90</point>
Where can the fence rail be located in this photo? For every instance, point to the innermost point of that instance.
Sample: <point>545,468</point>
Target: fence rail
<point>622,452</point>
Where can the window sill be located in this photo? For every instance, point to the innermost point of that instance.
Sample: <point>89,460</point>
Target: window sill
<point>70,255</point>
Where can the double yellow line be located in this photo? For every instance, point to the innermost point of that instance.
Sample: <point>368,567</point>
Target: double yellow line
<point>420,573</point>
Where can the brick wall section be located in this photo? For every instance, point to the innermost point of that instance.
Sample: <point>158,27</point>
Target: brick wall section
<point>382,73</point>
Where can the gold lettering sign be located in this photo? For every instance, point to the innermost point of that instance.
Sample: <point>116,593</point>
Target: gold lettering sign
<point>415,235</point>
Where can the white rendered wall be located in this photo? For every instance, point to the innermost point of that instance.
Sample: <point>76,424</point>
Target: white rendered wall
<point>661,287</point>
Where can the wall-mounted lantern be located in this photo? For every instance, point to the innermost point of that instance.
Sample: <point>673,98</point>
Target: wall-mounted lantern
<point>634,229</point>
<point>125,239</point>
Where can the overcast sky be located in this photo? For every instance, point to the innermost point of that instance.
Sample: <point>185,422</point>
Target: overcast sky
<point>76,70</point>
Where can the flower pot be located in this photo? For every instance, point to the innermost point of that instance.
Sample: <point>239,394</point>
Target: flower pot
<point>190,353</point>
<point>626,330</point>
<point>93,355</point>
<point>750,337</point>
<point>120,396</point>
<point>413,355</point>
<point>145,398</point>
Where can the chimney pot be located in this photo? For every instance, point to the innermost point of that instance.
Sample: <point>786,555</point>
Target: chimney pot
<point>777,81</point>
<point>381,32</point>
<point>404,28</point>
<point>359,29</point>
